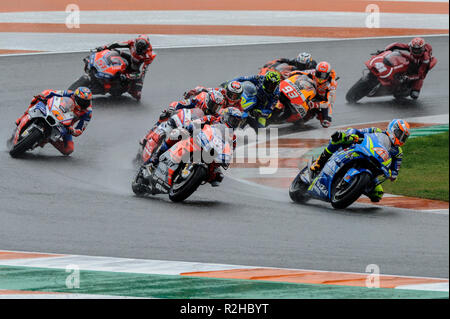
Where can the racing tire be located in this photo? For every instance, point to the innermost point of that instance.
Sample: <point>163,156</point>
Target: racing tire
<point>297,190</point>
<point>361,88</point>
<point>82,81</point>
<point>352,193</point>
<point>138,184</point>
<point>190,186</point>
<point>26,143</point>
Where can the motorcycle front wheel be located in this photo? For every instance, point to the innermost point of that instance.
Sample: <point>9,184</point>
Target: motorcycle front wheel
<point>27,142</point>
<point>344,194</point>
<point>184,186</point>
<point>361,88</point>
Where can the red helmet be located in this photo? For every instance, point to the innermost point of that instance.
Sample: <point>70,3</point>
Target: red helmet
<point>214,101</point>
<point>141,44</point>
<point>323,70</point>
<point>417,47</point>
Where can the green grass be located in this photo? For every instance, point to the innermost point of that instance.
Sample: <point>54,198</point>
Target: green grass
<point>424,171</point>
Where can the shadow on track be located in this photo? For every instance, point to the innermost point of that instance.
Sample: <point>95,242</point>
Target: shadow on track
<point>112,102</point>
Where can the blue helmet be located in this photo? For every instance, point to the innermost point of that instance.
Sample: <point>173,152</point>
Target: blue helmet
<point>232,117</point>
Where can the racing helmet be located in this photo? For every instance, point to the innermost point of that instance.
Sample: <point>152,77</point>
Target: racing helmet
<point>398,132</point>
<point>82,97</point>
<point>232,117</point>
<point>141,44</point>
<point>323,71</point>
<point>271,81</point>
<point>417,47</point>
<point>304,60</point>
<point>234,91</point>
<point>214,101</point>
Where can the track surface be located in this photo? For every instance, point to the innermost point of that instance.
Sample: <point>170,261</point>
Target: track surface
<point>83,204</point>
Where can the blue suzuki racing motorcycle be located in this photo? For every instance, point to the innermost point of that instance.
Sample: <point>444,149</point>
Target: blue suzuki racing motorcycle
<point>348,174</point>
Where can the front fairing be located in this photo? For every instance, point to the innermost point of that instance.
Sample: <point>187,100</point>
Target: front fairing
<point>369,149</point>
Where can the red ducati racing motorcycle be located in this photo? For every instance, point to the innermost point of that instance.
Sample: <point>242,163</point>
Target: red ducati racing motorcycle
<point>104,73</point>
<point>385,75</point>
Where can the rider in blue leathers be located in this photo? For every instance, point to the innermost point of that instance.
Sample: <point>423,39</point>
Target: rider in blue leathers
<point>267,94</point>
<point>395,136</point>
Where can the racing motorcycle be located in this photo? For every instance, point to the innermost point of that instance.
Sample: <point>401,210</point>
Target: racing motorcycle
<point>385,75</point>
<point>283,69</point>
<point>347,175</point>
<point>160,131</point>
<point>293,107</point>
<point>104,73</point>
<point>187,164</point>
<point>43,122</point>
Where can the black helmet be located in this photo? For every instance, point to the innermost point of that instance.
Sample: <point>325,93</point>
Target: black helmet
<point>141,44</point>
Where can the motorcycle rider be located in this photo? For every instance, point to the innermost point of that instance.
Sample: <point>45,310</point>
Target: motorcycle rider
<point>326,84</point>
<point>141,55</point>
<point>267,93</point>
<point>209,103</point>
<point>395,136</point>
<point>302,62</point>
<point>232,91</point>
<point>420,57</point>
<point>81,107</point>
<point>232,118</point>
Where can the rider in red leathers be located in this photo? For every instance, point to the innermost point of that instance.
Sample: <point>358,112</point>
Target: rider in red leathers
<point>81,105</point>
<point>232,93</point>
<point>141,54</point>
<point>204,107</point>
<point>419,58</point>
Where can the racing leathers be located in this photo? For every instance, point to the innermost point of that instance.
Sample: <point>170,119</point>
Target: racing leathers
<point>265,101</point>
<point>157,140</point>
<point>79,123</point>
<point>418,66</point>
<point>323,103</point>
<point>137,64</point>
<point>295,65</point>
<point>200,89</point>
<point>342,139</point>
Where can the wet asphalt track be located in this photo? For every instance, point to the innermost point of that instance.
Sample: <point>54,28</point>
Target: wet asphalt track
<point>83,204</point>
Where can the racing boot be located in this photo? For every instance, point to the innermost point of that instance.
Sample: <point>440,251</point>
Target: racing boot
<point>376,194</point>
<point>320,161</point>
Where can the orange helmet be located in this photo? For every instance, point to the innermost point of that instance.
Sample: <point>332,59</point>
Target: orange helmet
<point>323,71</point>
<point>417,47</point>
<point>398,132</point>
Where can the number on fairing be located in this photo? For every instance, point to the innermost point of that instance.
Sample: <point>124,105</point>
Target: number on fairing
<point>290,92</point>
<point>380,67</point>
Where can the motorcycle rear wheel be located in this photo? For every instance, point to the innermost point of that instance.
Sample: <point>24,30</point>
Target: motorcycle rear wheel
<point>26,143</point>
<point>297,190</point>
<point>82,81</point>
<point>189,186</point>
